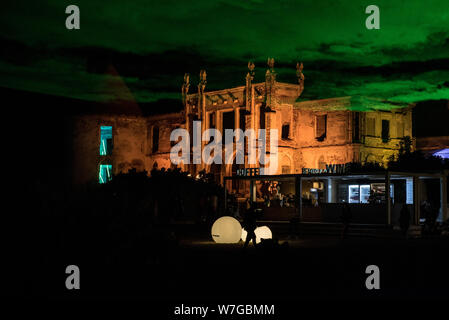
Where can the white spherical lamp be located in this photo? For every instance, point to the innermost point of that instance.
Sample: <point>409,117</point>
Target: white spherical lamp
<point>226,230</point>
<point>261,233</point>
<point>244,234</point>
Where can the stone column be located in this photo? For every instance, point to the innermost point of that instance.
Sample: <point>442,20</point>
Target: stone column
<point>203,128</point>
<point>237,118</point>
<point>187,127</point>
<point>331,190</point>
<point>202,109</point>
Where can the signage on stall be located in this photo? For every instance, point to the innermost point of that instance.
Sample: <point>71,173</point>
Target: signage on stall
<point>248,172</point>
<point>330,168</point>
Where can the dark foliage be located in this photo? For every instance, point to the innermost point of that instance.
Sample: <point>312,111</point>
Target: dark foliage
<point>416,161</point>
<point>356,167</point>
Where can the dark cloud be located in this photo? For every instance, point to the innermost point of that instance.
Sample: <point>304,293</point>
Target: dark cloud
<point>151,44</point>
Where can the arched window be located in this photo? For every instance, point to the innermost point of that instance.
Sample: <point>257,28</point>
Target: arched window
<point>321,163</point>
<point>285,165</point>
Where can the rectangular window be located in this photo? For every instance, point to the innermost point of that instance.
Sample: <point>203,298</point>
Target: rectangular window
<point>356,127</point>
<point>371,127</point>
<point>155,145</point>
<point>212,120</point>
<point>320,127</point>
<point>105,140</point>
<point>228,121</point>
<point>242,119</point>
<point>354,193</point>
<point>285,131</point>
<point>365,191</point>
<point>105,173</point>
<point>385,130</point>
<point>400,130</point>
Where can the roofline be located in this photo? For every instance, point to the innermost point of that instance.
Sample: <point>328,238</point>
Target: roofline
<point>241,88</point>
<point>345,104</point>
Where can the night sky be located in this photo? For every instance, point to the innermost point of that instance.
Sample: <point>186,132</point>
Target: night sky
<point>151,44</point>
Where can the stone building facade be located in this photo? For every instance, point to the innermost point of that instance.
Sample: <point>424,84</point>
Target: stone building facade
<point>311,133</point>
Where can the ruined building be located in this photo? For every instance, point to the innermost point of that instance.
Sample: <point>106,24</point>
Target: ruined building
<point>312,134</point>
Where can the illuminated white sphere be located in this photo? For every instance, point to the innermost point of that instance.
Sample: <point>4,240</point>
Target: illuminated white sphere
<point>244,233</point>
<point>261,233</point>
<point>226,230</point>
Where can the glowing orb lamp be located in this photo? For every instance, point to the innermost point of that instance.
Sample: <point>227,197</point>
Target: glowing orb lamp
<point>226,230</point>
<point>261,233</point>
<point>244,233</point>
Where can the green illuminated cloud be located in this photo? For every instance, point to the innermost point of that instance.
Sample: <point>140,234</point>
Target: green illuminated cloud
<point>152,43</point>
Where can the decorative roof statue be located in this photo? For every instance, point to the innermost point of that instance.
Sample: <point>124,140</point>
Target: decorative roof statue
<point>249,79</point>
<point>185,88</point>
<point>201,87</point>
<point>203,78</point>
<point>300,76</point>
<point>270,75</point>
<point>251,70</point>
<point>187,80</point>
<point>270,85</point>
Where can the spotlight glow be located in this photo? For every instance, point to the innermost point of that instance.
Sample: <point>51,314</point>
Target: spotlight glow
<point>261,233</point>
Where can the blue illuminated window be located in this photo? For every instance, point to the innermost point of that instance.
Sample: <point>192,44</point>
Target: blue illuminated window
<point>105,140</point>
<point>105,173</point>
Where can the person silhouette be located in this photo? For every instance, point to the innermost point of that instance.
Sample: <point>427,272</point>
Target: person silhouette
<point>404,220</point>
<point>249,224</point>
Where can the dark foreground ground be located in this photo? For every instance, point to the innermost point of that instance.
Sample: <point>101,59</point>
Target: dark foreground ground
<point>199,270</point>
